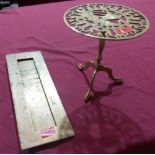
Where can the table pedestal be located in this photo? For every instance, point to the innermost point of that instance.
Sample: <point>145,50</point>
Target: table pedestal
<point>97,66</point>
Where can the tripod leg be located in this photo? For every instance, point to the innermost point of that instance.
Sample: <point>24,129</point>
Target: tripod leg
<point>110,74</point>
<point>86,65</point>
<point>89,93</point>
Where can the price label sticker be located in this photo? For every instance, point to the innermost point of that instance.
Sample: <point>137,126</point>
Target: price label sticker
<point>48,132</point>
<point>123,30</point>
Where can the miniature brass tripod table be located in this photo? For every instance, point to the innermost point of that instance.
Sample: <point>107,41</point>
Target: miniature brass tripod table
<point>105,22</point>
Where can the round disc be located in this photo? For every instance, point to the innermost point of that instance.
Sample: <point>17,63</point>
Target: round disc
<point>106,21</point>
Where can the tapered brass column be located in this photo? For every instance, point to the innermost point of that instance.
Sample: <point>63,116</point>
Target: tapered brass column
<point>97,66</point>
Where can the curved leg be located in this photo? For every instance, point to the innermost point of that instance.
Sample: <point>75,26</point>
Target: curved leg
<point>86,65</point>
<point>89,93</point>
<point>110,74</point>
<point>97,66</point>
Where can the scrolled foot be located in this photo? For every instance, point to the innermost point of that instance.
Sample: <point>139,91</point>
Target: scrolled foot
<point>86,65</point>
<point>118,81</point>
<point>80,67</point>
<point>89,95</point>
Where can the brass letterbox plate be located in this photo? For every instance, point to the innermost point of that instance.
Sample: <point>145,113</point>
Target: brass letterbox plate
<point>40,115</point>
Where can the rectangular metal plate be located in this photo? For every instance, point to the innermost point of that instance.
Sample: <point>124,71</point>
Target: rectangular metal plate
<point>40,115</point>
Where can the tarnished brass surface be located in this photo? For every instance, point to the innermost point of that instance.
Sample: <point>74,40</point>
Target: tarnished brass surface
<point>97,66</point>
<point>40,115</point>
<point>106,21</point>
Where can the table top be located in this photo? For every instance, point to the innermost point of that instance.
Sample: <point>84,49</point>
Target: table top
<point>106,21</point>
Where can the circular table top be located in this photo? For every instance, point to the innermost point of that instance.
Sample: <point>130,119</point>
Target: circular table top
<point>106,21</point>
